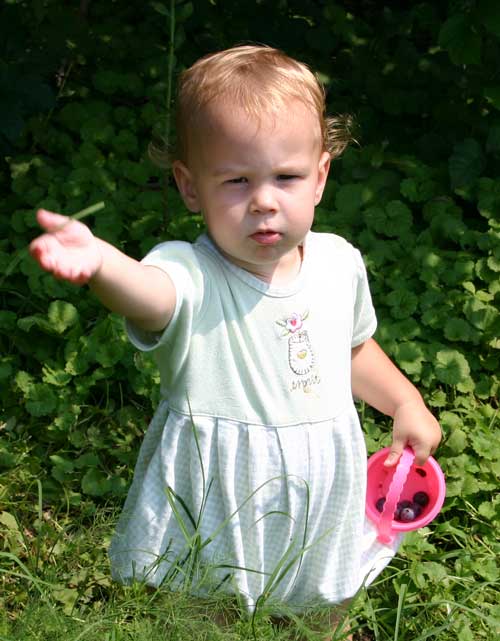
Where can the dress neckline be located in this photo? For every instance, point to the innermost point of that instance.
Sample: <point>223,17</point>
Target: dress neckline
<point>205,242</point>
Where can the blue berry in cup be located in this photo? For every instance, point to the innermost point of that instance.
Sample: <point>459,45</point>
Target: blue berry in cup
<point>417,509</point>
<point>380,504</point>
<point>407,514</point>
<point>421,498</point>
<point>399,507</point>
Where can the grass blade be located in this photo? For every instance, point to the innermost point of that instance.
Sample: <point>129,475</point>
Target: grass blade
<point>180,521</point>
<point>401,600</point>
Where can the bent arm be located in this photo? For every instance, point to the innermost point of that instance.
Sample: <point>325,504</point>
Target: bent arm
<point>376,380</point>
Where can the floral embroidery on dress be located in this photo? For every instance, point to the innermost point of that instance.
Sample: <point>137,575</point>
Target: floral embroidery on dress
<point>292,323</point>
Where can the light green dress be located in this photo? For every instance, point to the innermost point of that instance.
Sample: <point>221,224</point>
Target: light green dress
<point>255,456</point>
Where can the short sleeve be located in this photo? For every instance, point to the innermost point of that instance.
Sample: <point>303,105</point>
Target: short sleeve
<point>179,260</point>
<point>365,320</point>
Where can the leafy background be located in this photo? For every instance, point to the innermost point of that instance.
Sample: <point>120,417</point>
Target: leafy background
<point>85,87</point>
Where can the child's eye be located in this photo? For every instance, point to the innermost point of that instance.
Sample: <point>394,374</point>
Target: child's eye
<point>287,176</point>
<point>237,181</point>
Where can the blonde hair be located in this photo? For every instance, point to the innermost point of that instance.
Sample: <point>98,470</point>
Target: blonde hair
<point>261,80</point>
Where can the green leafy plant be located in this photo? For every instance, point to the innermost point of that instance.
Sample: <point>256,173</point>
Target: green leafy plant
<point>419,195</point>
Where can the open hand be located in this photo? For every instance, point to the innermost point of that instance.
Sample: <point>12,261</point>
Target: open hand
<point>68,249</point>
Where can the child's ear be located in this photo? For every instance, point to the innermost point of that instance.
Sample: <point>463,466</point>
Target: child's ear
<point>323,169</point>
<point>185,183</point>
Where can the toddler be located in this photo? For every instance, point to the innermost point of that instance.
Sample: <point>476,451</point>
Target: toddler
<point>262,331</point>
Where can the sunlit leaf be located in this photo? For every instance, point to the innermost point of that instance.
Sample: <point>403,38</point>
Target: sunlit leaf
<point>62,315</point>
<point>457,441</point>
<point>56,377</point>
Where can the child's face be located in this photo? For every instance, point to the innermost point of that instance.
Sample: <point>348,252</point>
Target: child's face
<point>256,184</point>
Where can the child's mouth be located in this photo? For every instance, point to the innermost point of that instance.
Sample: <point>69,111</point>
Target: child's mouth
<point>266,237</point>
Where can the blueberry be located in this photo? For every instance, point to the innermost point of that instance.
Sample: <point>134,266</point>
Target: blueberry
<point>407,514</point>
<point>380,504</point>
<point>399,507</point>
<point>417,509</point>
<point>421,498</point>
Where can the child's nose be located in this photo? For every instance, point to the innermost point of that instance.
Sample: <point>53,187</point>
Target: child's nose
<point>263,200</point>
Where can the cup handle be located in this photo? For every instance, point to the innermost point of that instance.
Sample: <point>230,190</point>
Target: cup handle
<point>384,525</point>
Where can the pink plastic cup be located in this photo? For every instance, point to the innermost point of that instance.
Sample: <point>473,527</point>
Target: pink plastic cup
<point>400,483</point>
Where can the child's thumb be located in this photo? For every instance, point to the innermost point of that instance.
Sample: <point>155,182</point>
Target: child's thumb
<point>49,221</point>
<point>395,453</point>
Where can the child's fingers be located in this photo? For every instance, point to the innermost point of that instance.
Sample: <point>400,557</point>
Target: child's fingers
<point>425,449</point>
<point>51,222</point>
<point>397,448</point>
<point>76,264</point>
<point>65,271</point>
<point>392,458</point>
<point>46,251</point>
<point>422,453</point>
<point>41,252</point>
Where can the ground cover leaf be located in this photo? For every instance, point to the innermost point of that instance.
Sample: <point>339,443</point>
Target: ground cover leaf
<point>457,329</point>
<point>451,367</point>
<point>466,163</point>
<point>480,314</point>
<point>37,320</point>
<point>95,482</point>
<point>41,400</point>
<point>484,445</point>
<point>410,356</point>
<point>6,368</point>
<point>349,198</point>
<point>56,377</point>
<point>460,40</point>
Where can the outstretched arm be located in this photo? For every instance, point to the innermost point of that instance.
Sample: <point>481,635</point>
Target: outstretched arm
<point>70,251</point>
<point>376,380</point>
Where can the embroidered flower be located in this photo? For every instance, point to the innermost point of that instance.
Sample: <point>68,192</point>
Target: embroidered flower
<point>294,322</point>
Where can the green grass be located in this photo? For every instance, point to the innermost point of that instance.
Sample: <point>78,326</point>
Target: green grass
<point>444,584</point>
<point>55,584</point>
